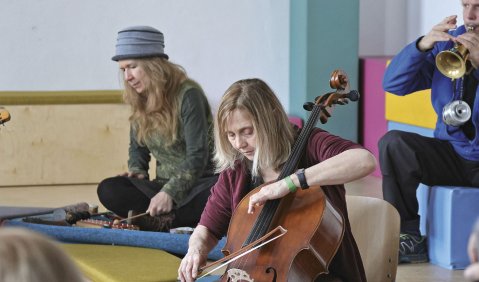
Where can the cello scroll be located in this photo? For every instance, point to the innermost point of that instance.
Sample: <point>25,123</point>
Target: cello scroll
<point>339,80</point>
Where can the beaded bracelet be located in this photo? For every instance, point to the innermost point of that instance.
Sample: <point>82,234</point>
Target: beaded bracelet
<point>292,188</point>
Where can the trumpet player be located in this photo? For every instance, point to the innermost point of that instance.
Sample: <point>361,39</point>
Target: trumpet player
<point>451,157</point>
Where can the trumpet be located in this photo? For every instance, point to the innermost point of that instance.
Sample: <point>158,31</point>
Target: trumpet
<point>453,62</point>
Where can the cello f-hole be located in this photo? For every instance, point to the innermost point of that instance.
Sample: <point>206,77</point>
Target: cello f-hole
<point>275,274</point>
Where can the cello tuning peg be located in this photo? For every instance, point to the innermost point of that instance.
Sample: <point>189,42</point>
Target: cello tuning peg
<point>308,106</point>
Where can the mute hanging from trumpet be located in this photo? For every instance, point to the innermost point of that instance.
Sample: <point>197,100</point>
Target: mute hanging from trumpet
<point>454,63</point>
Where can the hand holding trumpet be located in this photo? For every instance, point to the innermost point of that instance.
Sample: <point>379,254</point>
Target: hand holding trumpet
<point>470,40</point>
<point>457,61</point>
<point>438,33</point>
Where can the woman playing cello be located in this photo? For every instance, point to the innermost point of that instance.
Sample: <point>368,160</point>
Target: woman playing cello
<point>253,139</point>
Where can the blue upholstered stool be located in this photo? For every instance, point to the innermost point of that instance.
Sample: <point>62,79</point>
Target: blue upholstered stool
<point>410,128</point>
<point>447,217</point>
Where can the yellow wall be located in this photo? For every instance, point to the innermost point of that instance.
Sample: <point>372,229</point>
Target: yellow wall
<point>414,109</point>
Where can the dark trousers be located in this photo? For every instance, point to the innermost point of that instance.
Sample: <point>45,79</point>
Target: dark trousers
<point>120,194</point>
<point>407,159</point>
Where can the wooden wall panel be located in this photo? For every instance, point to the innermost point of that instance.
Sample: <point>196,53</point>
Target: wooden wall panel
<point>63,144</point>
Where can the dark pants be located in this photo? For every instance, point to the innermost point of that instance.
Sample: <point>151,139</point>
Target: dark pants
<point>407,159</point>
<point>120,194</point>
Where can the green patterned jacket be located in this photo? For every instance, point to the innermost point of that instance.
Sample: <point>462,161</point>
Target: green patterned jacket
<point>179,165</point>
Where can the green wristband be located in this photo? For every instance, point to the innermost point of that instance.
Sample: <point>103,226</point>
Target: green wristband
<point>292,188</point>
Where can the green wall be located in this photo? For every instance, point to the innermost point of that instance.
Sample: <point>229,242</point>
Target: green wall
<point>324,37</point>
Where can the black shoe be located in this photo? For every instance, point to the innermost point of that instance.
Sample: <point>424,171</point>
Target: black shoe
<point>412,249</point>
<point>161,223</point>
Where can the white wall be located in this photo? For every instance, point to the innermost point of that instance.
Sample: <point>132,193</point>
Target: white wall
<point>67,45</point>
<point>386,26</point>
<point>435,11</point>
<point>376,35</point>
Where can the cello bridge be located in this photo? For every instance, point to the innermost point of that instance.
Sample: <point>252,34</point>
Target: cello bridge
<point>238,275</point>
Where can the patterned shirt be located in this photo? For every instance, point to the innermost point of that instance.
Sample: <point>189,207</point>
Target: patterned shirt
<point>180,164</point>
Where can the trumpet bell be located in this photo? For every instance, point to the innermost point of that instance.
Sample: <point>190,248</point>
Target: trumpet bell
<point>451,63</point>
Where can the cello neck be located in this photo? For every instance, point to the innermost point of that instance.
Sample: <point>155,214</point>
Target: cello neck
<point>298,148</point>
<point>271,206</point>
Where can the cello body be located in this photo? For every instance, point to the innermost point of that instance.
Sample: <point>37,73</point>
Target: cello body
<point>306,249</point>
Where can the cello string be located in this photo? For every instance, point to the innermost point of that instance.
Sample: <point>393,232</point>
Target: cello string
<point>264,219</point>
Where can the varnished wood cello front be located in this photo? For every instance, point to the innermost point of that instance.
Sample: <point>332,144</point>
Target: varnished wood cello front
<point>313,229</point>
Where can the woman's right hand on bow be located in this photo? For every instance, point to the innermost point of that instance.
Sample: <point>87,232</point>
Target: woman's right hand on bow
<point>200,244</point>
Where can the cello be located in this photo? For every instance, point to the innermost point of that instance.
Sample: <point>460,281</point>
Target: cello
<point>293,238</point>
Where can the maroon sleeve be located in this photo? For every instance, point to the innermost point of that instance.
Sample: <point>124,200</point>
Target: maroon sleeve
<point>217,213</point>
<point>322,145</point>
<point>229,190</point>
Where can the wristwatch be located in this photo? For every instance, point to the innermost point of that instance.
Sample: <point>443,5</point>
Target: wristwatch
<point>302,179</point>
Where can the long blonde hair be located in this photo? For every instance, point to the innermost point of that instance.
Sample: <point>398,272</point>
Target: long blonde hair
<point>274,133</point>
<point>30,256</point>
<point>156,109</point>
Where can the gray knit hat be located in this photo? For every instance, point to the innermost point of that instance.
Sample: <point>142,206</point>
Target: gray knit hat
<point>139,42</point>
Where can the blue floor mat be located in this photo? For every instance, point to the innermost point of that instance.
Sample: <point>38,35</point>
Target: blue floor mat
<point>173,243</point>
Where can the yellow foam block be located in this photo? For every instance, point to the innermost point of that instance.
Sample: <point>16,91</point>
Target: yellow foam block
<point>107,263</point>
<point>415,109</point>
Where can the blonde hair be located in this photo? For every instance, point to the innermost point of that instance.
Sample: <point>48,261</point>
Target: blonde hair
<point>156,109</point>
<point>29,256</point>
<point>274,133</point>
